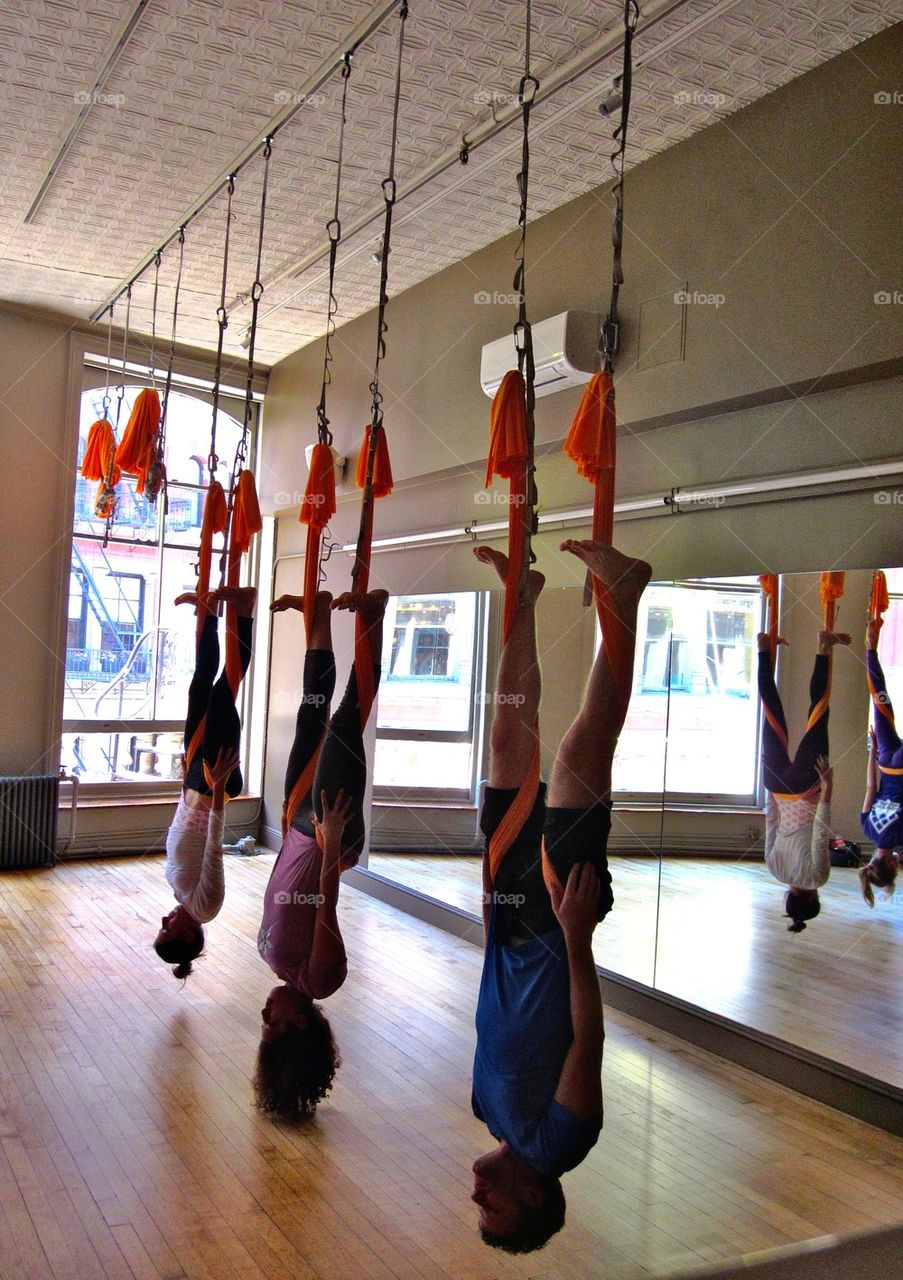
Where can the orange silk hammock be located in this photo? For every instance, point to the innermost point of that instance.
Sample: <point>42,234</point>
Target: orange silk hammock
<point>878,606</point>
<point>831,588</point>
<point>511,456</point>
<point>374,469</point>
<point>100,451</point>
<point>234,515</point>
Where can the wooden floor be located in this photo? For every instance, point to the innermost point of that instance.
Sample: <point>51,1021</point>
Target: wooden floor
<point>722,943</point>
<point>128,1147</point>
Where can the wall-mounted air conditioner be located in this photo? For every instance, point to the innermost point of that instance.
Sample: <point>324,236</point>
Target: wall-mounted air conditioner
<point>565,351</point>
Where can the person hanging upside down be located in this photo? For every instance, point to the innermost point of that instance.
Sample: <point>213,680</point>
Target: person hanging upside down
<point>537,1069</point>
<point>323,836</point>
<point>882,808</point>
<point>798,806</point>
<point>194,843</point>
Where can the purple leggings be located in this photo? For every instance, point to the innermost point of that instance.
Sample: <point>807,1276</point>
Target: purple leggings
<point>781,774</point>
<point>890,748</point>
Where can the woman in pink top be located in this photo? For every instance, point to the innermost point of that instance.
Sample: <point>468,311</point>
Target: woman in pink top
<point>299,936</point>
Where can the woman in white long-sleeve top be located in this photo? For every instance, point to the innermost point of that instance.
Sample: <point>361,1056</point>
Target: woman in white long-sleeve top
<point>194,843</point>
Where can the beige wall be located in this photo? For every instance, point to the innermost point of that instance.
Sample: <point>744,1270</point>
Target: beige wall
<point>34,440</point>
<point>786,208</point>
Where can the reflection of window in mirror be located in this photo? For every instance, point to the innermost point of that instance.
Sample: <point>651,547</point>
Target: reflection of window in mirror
<point>890,642</point>
<point>696,641</point>
<point>429,716</point>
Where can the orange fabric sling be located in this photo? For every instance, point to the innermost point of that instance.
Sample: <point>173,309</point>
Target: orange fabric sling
<point>831,588</point>
<point>509,458</point>
<point>317,509</point>
<point>135,455</point>
<point>769,584</point>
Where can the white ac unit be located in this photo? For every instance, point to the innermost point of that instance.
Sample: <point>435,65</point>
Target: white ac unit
<point>565,352</point>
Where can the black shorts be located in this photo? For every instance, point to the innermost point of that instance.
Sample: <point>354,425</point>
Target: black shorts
<point>522,903</point>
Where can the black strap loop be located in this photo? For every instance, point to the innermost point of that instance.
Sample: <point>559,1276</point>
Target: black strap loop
<point>610,335</point>
<point>222,320</point>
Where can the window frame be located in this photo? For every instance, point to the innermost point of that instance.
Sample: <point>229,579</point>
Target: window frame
<point>473,733</point>
<point>191,378</point>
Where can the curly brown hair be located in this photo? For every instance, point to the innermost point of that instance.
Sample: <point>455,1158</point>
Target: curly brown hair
<point>296,1069</point>
<point>879,872</point>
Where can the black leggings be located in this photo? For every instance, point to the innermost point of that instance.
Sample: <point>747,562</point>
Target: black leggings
<point>342,766</point>
<point>222,728</point>
<point>781,774</point>
<point>311,721</point>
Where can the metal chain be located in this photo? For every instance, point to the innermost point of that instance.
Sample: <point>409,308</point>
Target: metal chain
<point>334,231</point>
<point>222,320</point>
<point>158,258</point>
<point>523,333</point>
<point>158,482</point>
<point>241,452</point>
<point>610,337</point>
<point>105,406</point>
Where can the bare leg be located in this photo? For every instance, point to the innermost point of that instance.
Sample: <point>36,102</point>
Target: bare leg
<point>321,629</point>
<point>243,598</point>
<point>371,608</point>
<point>518,686</point>
<point>581,775</point>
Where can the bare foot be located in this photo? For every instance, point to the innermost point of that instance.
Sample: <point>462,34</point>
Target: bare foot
<point>763,641</point>
<point>188,597</point>
<point>371,605</point>
<point>499,561</point>
<point>284,603</point>
<point>828,639</point>
<point>616,571</point>
<point>244,599</point>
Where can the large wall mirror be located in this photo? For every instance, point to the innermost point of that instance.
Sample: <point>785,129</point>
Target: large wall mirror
<point>697,913</point>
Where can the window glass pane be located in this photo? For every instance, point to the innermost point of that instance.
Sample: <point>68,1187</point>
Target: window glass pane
<point>123,757</point>
<point>700,641</point>
<point>427,680</point>
<point>405,765</point>
<point>712,663</point>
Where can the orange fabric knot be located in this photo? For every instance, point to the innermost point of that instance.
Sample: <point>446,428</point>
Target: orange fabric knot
<point>590,442</point>
<point>382,466</point>
<point>99,451</point>
<point>880,601</point>
<point>318,503</point>
<point>135,454</point>
<point>246,519</point>
<point>508,428</point>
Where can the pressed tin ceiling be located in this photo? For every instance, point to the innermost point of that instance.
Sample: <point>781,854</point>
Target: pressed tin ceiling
<point>198,81</point>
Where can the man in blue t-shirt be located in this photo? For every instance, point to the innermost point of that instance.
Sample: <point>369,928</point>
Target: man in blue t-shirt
<point>537,1070</point>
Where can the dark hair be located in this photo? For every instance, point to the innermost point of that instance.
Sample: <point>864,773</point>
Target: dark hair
<point>535,1225</point>
<point>878,872</point>
<point>296,1069</point>
<point>800,907</point>
<point>181,951</point>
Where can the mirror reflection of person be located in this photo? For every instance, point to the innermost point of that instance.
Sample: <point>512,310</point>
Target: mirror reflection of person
<point>194,842</point>
<point>537,1069</point>
<point>798,805</point>
<point>882,808</point>
<point>299,935</point>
